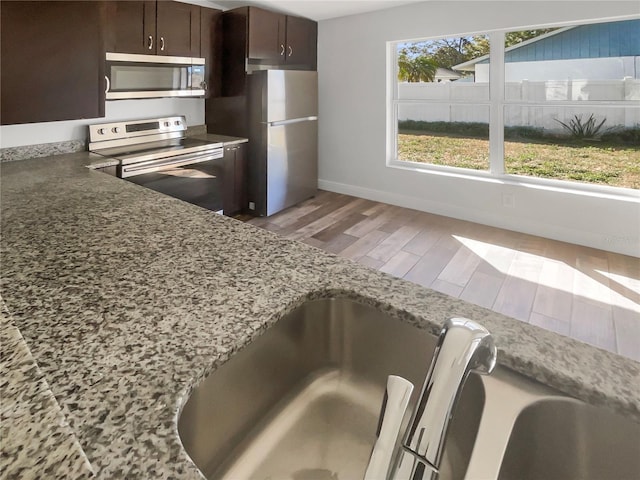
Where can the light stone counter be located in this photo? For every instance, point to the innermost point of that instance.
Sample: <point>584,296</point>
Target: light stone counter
<point>35,437</point>
<point>128,298</point>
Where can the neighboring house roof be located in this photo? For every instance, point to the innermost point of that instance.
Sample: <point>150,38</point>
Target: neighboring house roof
<point>446,74</point>
<point>598,40</point>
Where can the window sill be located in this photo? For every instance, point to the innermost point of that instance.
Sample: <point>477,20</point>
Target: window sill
<point>564,186</point>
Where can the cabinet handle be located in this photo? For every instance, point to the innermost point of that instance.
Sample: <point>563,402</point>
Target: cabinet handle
<point>290,50</point>
<point>282,50</point>
<point>162,43</point>
<point>150,42</point>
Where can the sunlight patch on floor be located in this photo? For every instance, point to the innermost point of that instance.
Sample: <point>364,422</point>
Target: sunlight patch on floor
<point>596,285</point>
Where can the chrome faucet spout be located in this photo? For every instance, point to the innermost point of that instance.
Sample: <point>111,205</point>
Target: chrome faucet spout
<point>463,346</point>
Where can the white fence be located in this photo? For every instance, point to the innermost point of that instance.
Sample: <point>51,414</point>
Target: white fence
<point>626,94</point>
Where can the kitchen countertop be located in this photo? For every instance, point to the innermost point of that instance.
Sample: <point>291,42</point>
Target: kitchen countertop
<point>36,438</point>
<point>128,298</point>
<point>225,139</point>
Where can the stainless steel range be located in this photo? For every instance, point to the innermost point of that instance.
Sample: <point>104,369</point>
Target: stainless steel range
<point>156,154</point>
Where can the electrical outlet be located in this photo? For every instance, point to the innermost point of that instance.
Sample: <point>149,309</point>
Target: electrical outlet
<point>508,200</point>
<point>252,205</point>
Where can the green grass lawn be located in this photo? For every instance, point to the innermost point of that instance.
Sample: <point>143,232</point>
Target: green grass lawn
<point>614,165</point>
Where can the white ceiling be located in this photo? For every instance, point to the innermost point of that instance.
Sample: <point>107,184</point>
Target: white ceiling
<point>316,9</point>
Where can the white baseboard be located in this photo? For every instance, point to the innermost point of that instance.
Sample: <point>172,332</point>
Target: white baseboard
<point>555,232</point>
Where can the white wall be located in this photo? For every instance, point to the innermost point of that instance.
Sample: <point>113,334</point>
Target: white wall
<point>352,60</point>
<point>115,110</point>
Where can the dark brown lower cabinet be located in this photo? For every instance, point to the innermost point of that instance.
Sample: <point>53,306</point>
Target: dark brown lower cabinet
<point>235,185</point>
<point>51,61</point>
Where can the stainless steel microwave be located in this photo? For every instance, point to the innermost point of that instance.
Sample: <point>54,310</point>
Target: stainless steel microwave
<point>152,76</point>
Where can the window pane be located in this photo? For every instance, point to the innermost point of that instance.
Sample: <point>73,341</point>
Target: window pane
<point>595,144</point>
<point>596,62</point>
<point>441,109</point>
<point>440,69</point>
<point>455,135</point>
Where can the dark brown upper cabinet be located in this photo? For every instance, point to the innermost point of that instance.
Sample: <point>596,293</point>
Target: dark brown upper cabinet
<point>178,29</point>
<point>154,28</point>
<point>263,37</point>
<point>132,27</point>
<point>266,36</point>
<point>301,42</point>
<point>51,61</point>
<point>211,49</point>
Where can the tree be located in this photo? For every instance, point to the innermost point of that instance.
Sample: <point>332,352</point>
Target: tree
<point>447,56</point>
<point>513,38</point>
<point>448,52</point>
<point>417,69</point>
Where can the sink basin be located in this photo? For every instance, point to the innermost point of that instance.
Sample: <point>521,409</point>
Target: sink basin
<point>302,401</point>
<point>562,439</point>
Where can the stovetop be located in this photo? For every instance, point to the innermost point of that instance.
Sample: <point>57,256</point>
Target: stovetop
<point>141,152</point>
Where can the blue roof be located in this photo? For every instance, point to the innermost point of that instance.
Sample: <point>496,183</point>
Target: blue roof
<point>613,39</point>
<point>598,40</point>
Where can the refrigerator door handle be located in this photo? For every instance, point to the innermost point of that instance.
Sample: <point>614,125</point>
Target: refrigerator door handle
<point>289,122</point>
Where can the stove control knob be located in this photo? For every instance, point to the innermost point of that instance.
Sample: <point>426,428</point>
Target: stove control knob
<point>167,124</point>
<point>102,131</point>
<point>115,129</point>
<point>178,122</point>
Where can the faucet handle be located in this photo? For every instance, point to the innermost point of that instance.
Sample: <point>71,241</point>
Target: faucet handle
<point>394,406</point>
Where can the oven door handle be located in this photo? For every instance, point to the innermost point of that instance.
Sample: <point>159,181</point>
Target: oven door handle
<point>164,164</point>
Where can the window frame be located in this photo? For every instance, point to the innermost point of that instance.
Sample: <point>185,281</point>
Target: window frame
<point>497,170</point>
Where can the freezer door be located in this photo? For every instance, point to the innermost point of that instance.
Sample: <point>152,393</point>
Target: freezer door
<point>291,94</point>
<point>292,164</point>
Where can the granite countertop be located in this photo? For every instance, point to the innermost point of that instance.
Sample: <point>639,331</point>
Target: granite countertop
<point>128,298</point>
<point>36,438</point>
<point>225,139</point>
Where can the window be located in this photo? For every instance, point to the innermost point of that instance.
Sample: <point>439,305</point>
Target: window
<point>560,103</point>
<point>442,114</point>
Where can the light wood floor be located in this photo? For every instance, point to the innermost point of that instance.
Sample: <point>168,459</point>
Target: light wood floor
<point>584,293</point>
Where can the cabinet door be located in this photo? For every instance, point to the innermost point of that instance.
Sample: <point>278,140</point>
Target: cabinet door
<point>240,177</point>
<point>234,195</point>
<point>301,42</point>
<point>132,27</point>
<point>211,49</point>
<point>51,61</point>
<point>266,36</point>
<point>178,29</point>
<point>229,203</point>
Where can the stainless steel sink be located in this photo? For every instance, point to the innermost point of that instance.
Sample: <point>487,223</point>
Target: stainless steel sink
<point>302,401</point>
<point>563,439</point>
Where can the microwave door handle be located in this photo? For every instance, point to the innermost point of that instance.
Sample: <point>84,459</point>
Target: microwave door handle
<point>107,86</point>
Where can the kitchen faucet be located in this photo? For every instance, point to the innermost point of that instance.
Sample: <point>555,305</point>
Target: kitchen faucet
<point>463,346</point>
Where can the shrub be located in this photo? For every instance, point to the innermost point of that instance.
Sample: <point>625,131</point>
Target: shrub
<point>524,132</point>
<point>580,129</point>
<point>629,136</point>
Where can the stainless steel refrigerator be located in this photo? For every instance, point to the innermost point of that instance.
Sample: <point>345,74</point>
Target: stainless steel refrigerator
<point>283,139</point>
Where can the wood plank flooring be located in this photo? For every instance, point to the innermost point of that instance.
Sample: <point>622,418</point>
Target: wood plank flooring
<point>587,294</point>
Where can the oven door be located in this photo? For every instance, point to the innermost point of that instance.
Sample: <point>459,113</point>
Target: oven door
<point>133,169</point>
<point>202,183</point>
